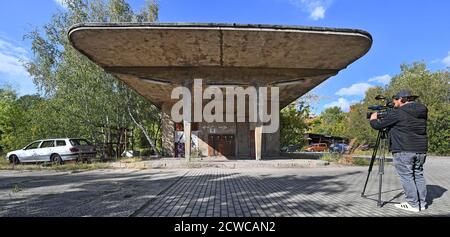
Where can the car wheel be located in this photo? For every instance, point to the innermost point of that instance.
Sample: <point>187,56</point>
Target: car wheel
<point>56,159</point>
<point>14,160</point>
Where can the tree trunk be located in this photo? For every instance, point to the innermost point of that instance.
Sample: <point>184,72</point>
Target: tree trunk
<point>351,146</point>
<point>141,127</point>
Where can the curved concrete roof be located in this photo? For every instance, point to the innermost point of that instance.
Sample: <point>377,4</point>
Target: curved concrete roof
<point>293,57</point>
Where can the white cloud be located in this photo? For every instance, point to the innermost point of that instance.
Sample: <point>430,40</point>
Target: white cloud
<point>318,13</point>
<point>12,71</point>
<point>355,89</point>
<point>385,79</point>
<point>11,57</point>
<point>5,45</point>
<point>315,8</point>
<point>342,103</point>
<point>446,60</point>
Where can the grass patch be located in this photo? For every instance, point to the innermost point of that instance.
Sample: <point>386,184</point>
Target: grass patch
<point>358,161</point>
<point>363,153</point>
<point>330,157</point>
<point>68,166</point>
<point>74,167</point>
<point>131,160</point>
<point>345,159</point>
<point>3,162</point>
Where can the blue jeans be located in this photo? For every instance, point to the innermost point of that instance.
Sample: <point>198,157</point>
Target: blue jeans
<point>409,168</point>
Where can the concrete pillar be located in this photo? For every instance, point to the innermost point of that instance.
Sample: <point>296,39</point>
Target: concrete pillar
<point>258,130</point>
<point>187,137</point>
<point>167,131</point>
<point>187,124</point>
<point>236,143</point>
<point>258,141</point>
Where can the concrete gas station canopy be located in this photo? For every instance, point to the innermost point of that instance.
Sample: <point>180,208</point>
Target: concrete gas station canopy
<point>153,58</point>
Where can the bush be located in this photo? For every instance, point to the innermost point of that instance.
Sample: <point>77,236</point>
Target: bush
<point>360,161</point>
<point>3,161</point>
<point>331,157</point>
<point>146,152</point>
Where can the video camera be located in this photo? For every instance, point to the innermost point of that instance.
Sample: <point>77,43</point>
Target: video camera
<point>382,110</point>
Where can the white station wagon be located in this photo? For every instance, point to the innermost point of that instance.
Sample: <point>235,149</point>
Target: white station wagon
<point>54,150</point>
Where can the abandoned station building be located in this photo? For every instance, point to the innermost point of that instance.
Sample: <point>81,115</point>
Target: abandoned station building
<point>154,58</point>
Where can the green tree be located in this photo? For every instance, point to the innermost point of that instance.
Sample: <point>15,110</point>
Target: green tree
<point>357,125</point>
<point>7,99</point>
<point>330,122</point>
<point>294,123</point>
<point>19,119</point>
<point>150,12</point>
<point>80,97</point>
<point>120,11</point>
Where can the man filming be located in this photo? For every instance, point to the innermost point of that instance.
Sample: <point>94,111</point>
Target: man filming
<point>407,133</point>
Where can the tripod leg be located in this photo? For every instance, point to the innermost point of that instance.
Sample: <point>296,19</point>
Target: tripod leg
<point>381,171</point>
<point>380,204</point>
<point>372,160</point>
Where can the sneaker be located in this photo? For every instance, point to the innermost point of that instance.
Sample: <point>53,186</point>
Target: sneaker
<point>407,207</point>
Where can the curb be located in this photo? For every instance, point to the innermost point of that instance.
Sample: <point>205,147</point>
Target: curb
<point>177,164</point>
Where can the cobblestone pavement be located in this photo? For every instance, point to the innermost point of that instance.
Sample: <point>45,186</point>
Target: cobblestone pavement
<point>295,192</point>
<point>213,192</point>
<point>93,193</point>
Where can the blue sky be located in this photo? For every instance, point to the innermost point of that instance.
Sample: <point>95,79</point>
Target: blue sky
<point>403,31</point>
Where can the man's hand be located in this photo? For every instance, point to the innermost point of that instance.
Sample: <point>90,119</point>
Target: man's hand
<point>374,116</point>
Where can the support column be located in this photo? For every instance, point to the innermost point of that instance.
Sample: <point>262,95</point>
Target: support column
<point>187,107</point>
<point>258,141</point>
<point>167,131</point>
<point>258,129</point>
<point>187,139</point>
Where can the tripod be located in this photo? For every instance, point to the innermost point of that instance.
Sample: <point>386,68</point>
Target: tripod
<point>379,146</point>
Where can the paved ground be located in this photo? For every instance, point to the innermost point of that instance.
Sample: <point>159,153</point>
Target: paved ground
<point>330,191</point>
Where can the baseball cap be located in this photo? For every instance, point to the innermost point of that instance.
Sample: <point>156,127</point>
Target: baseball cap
<point>404,94</point>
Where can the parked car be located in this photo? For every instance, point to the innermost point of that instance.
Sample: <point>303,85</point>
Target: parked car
<point>339,148</point>
<point>292,148</point>
<point>54,150</point>
<point>317,147</point>
<point>366,147</point>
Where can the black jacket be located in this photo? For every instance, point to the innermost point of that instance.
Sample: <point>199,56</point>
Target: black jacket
<point>407,128</point>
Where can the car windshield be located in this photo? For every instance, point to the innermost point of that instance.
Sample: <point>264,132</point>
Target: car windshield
<point>79,142</point>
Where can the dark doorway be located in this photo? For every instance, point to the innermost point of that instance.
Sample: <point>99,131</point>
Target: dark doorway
<point>221,145</point>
